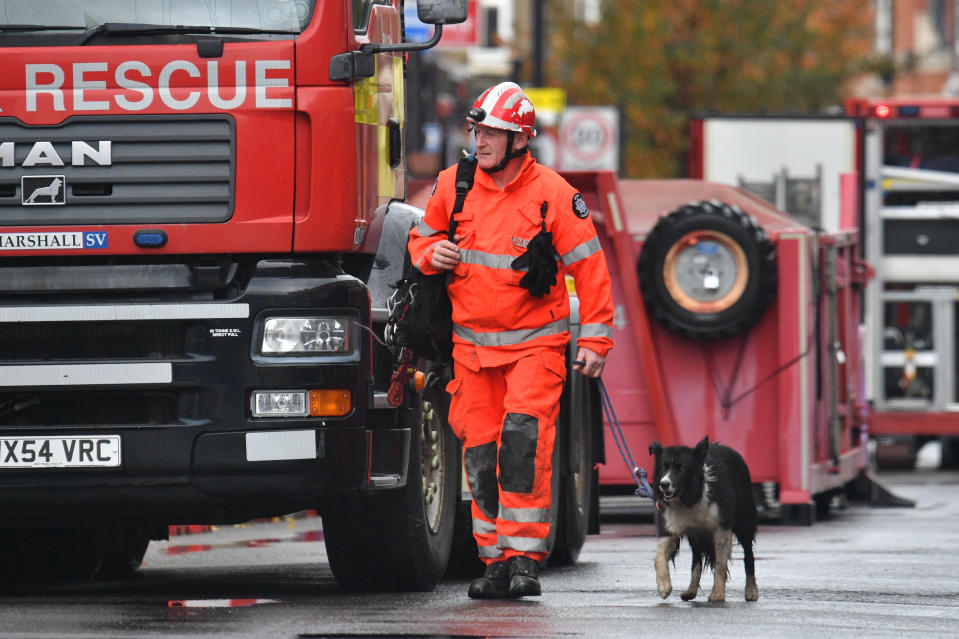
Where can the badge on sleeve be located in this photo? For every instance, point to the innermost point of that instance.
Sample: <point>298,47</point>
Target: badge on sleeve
<point>579,207</point>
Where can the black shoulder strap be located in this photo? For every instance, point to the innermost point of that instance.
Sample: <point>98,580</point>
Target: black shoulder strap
<point>465,170</point>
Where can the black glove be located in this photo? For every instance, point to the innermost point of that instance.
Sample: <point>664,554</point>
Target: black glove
<point>540,258</point>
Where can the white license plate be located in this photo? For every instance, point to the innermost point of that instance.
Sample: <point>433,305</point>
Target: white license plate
<point>83,451</point>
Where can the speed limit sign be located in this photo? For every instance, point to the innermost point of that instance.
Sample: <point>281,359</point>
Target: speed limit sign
<point>589,139</point>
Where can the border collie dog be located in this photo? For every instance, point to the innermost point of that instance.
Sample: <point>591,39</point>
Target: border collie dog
<point>705,494</point>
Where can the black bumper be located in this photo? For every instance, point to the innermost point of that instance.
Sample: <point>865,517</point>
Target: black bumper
<point>185,451</point>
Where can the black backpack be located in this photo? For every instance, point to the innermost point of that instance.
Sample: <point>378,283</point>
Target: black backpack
<point>420,309</point>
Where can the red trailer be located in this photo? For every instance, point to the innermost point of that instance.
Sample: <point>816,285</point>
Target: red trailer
<point>734,321</point>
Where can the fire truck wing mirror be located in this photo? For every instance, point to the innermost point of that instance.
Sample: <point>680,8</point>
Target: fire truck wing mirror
<point>435,12</point>
<point>442,11</point>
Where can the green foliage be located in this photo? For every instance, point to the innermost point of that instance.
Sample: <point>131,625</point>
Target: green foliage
<point>662,61</point>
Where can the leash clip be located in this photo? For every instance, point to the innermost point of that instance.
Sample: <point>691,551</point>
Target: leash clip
<point>643,488</point>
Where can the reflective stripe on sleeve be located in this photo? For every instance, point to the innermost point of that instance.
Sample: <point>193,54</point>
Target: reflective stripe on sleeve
<point>425,230</point>
<point>511,338</point>
<point>596,330</point>
<point>581,252</point>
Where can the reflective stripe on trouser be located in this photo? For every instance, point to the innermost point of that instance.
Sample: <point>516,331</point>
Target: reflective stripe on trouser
<point>506,417</point>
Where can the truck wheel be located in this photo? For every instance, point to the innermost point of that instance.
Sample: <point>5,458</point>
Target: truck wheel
<point>576,487</point>
<point>556,496</point>
<point>464,556</point>
<point>950,452</point>
<point>896,453</point>
<point>51,555</point>
<point>124,553</point>
<point>399,540</point>
<point>707,270</point>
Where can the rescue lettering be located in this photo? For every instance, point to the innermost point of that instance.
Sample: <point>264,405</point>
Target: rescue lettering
<point>174,85</point>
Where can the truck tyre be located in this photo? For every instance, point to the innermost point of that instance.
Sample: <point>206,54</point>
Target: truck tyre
<point>123,553</point>
<point>896,452</point>
<point>950,452</point>
<point>52,555</point>
<point>577,479</point>
<point>399,540</point>
<point>707,270</point>
<point>464,560</point>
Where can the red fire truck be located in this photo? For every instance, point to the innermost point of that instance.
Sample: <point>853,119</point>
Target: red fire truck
<point>200,228</point>
<point>910,211</point>
<point>895,165</point>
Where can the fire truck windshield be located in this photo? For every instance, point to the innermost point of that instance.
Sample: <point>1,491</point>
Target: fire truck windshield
<point>926,146</point>
<point>918,158</point>
<point>290,16</point>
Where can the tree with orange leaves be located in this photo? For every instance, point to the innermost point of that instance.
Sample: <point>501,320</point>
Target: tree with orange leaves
<point>662,61</point>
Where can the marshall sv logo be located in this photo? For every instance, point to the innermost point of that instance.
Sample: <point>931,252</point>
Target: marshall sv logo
<point>40,190</point>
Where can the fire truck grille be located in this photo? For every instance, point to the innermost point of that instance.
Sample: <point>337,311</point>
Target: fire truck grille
<point>89,409</point>
<point>154,169</point>
<point>92,341</point>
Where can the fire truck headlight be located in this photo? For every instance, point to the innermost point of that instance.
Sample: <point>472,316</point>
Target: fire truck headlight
<point>279,404</point>
<point>306,335</point>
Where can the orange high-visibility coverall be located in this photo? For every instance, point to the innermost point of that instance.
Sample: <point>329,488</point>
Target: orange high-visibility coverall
<point>509,346</point>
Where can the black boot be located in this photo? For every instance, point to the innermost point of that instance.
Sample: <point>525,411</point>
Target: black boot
<point>494,584</point>
<point>523,581</point>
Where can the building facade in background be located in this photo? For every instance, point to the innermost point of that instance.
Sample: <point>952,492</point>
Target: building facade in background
<point>918,37</point>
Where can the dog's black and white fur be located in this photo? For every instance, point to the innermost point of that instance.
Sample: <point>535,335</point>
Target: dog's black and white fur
<point>705,494</point>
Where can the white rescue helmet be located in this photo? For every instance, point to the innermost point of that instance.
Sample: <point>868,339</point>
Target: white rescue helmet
<point>506,107</point>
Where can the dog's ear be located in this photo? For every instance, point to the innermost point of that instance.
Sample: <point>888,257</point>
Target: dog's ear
<point>701,449</point>
<point>655,448</point>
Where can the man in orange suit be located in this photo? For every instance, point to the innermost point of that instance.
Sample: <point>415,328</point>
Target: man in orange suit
<point>521,229</point>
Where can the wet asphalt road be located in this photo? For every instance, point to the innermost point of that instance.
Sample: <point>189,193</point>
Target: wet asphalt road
<point>867,572</point>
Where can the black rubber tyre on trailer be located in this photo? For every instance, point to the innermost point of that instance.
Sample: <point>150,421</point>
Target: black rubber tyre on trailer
<point>123,552</point>
<point>707,270</point>
<point>399,540</point>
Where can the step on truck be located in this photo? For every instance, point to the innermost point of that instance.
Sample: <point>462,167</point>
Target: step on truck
<point>201,222</point>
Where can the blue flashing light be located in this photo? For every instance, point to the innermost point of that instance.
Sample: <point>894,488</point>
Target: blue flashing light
<point>150,238</point>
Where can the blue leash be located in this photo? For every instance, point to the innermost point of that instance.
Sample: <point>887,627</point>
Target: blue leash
<point>643,489</point>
